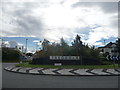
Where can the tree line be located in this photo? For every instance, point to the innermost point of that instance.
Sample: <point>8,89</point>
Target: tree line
<point>63,49</point>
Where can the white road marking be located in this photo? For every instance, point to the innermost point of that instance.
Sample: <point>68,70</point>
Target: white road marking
<point>35,70</point>
<point>15,69</point>
<point>10,67</point>
<point>23,70</point>
<point>65,72</point>
<point>99,72</point>
<point>82,72</point>
<point>49,71</point>
<point>112,71</point>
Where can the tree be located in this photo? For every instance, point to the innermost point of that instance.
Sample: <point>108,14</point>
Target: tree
<point>45,44</point>
<point>64,47</point>
<point>77,42</point>
<point>77,45</point>
<point>63,43</point>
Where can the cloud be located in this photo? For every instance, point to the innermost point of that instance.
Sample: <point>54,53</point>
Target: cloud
<point>100,33</point>
<point>54,19</point>
<point>36,41</point>
<point>19,21</point>
<point>99,43</point>
<point>107,7</point>
<point>20,44</point>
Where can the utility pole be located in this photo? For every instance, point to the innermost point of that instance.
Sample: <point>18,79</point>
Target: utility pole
<point>26,46</point>
<point>104,42</point>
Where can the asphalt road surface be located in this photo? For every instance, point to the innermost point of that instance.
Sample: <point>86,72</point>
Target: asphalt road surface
<point>16,80</point>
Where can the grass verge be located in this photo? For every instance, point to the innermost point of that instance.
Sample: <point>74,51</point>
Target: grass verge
<point>69,66</point>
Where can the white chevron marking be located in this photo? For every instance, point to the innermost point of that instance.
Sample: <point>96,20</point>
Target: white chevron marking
<point>49,71</point>
<point>35,70</point>
<point>23,70</point>
<point>99,72</point>
<point>6,68</point>
<point>82,72</point>
<point>10,67</point>
<point>65,72</point>
<point>15,69</point>
<point>112,71</point>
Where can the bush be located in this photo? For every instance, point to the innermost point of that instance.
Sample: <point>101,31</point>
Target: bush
<point>9,54</point>
<point>106,63</point>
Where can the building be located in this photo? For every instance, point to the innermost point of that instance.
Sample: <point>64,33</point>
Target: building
<point>109,49</point>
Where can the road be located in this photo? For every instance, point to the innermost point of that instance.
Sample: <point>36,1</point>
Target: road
<point>16,80</point>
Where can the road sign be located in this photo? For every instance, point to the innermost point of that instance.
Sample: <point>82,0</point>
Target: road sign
<point>108,57</point>
<point>114,57</point>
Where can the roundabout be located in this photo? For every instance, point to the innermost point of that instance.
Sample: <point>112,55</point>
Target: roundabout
<point>63,72</point>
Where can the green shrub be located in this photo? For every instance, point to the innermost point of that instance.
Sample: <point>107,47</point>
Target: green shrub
<point>9,54</point>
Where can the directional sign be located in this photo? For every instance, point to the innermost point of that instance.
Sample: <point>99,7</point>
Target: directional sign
<point>111,58</point>
<point>108,57</point>
<point>117,57</point>
<point>114,57</point>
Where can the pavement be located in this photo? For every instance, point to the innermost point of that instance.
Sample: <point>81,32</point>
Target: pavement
<point>64,72</point>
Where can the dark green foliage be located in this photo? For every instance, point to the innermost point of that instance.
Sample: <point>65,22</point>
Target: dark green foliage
<point>77,46</point>
<point>54,49</point>
<point>88,55</point>
<point>9,54</point>
<point>63,49</point>
<point>45,44</point>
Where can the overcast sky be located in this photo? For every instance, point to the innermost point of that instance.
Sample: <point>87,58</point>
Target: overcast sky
<point>53,19</point>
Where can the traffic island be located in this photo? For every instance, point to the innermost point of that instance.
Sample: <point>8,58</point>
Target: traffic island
<point>63,71</point>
